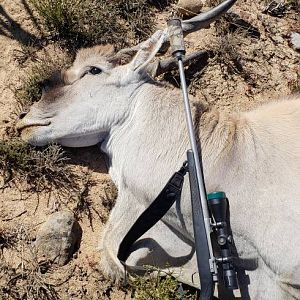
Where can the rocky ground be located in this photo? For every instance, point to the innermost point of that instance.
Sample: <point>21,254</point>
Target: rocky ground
<point>253,62</point>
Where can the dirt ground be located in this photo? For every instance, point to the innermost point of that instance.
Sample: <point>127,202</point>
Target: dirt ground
<point>269,68</point>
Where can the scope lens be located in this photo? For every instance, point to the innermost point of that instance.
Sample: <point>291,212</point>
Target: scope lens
<point>230,279</point>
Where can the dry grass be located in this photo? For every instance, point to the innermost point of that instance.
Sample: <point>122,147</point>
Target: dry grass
<point>42,169</point>
<point>88,22</point>
<point>226,51</point>
<point>22,277</point>
<point>280,8</point>
<point>213,3</point>
<point>295,84</point>
<point>8,238</point>
<point>26,53</point>
<point>30,90</point>
<point>25,283</point>
<point>293,5</point>
<point>86,207</point>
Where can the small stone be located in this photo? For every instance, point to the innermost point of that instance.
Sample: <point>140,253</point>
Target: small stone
<point>295,40</point>
<point>189,8</point>
<point>58,238</point>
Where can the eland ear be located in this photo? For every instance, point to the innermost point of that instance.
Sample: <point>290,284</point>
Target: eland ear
<point>147,51</point>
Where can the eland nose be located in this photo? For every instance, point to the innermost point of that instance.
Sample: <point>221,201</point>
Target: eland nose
<point>22,114</point>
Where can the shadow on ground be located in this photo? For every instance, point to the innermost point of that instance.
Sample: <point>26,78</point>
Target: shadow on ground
<point>12,29</point>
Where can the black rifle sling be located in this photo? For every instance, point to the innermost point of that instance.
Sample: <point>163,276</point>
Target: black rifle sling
<point>157,209</point>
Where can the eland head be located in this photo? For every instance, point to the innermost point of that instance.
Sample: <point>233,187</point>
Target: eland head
<point>82,105</point>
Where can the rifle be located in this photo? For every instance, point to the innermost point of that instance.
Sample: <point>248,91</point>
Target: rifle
<point>205,208</point>
<point>210,212</point>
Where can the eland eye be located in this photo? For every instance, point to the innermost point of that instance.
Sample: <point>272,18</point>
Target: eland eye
<point>95,70</point>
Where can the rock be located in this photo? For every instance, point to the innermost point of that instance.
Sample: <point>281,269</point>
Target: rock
<point>58,238</point>
<point>295,40</point>
<point>275,9</point>
<point>189,8</point>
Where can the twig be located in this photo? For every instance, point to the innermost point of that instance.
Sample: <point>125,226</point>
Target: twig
<point>18,215</point>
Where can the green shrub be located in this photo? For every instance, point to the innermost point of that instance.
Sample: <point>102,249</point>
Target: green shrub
<point>158,286</point>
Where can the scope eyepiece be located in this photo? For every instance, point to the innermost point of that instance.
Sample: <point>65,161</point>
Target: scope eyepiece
<point>218,206</point>
<point>230,279</point>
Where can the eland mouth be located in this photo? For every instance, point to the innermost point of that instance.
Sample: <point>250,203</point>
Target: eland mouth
<point>20,126</point>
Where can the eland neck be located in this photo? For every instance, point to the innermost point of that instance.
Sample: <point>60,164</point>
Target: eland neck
<point>153,140</point>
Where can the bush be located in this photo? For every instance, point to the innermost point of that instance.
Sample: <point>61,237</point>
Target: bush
<point>41,169</point>
<point>30,89</point>
<point>153,286</point>
<point>88,22</point>
<point>294,85</point>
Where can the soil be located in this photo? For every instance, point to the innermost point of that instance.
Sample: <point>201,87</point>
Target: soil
<point>269,67</point>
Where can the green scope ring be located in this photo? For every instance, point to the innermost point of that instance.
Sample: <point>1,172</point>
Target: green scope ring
<point>216,195</point>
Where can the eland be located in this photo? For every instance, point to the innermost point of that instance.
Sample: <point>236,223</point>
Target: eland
<point>253,156</point>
